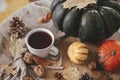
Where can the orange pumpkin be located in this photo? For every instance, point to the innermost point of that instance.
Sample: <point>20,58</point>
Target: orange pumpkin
<point>109,55</point>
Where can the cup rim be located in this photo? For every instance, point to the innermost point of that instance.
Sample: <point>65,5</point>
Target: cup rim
<point>39,29</point>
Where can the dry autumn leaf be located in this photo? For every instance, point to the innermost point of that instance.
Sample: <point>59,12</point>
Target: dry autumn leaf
<point>9,69</point>
<point>1,47</point>
<point>14,48</point>
<point>79,3</point>
<point>41,61</point>
<point>7,44</point>
<point>46,19</point>
<point>20,43</point>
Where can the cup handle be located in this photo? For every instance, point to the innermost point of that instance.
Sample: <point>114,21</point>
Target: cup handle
<point>54,51</point>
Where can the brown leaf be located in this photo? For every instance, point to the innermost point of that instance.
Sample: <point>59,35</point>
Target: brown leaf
<point>19,48</point>
<point>9,69</point>
<point>48,16</point>
<point>46,19</point>
<point>79,3</point>
<point>41,61</point>
<point>14,47</point>
<point>41,20</point>
<point>1,47</point>
<point>6,48</point>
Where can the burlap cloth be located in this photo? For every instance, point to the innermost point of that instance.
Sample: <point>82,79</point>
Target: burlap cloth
<point>30,15</point>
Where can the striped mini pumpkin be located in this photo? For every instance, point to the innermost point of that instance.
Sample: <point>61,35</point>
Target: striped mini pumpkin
<point>78,52</point>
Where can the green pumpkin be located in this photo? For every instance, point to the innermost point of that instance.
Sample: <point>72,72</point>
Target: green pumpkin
<point>92,23</point>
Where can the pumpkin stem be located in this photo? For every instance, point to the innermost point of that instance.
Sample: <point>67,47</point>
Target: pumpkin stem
<point>113,52</point>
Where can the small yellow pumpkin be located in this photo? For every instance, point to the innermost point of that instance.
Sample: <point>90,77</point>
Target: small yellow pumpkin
<point>78,52</point>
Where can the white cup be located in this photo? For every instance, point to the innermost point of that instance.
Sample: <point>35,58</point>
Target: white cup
<point>44,52</point>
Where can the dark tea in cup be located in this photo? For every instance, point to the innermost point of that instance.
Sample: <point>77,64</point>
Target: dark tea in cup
<point>39,40</point>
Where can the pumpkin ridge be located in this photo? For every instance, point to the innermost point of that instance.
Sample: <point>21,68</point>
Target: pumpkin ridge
<point>111,4</point>
<point>83,10</point>
<point>59,23</point>
<point>83,47</point>
<point>108,68</point>
<point>105,29</point>
<point>87,17</point>
<point>117,63</point>
<point>82,61</point>
<point>117,20</point>
<point>70,20</point>
<point>84,53</point>
<point>80,25</point>
<point>82,50</point>
<point>71,56</point>
<point>54,4</point>
<point>79,58</point>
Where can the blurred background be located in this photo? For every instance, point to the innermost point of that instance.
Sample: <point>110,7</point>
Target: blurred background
<point>7,7</point>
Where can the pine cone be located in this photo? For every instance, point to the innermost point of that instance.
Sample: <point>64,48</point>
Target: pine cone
<point>17,27</point>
